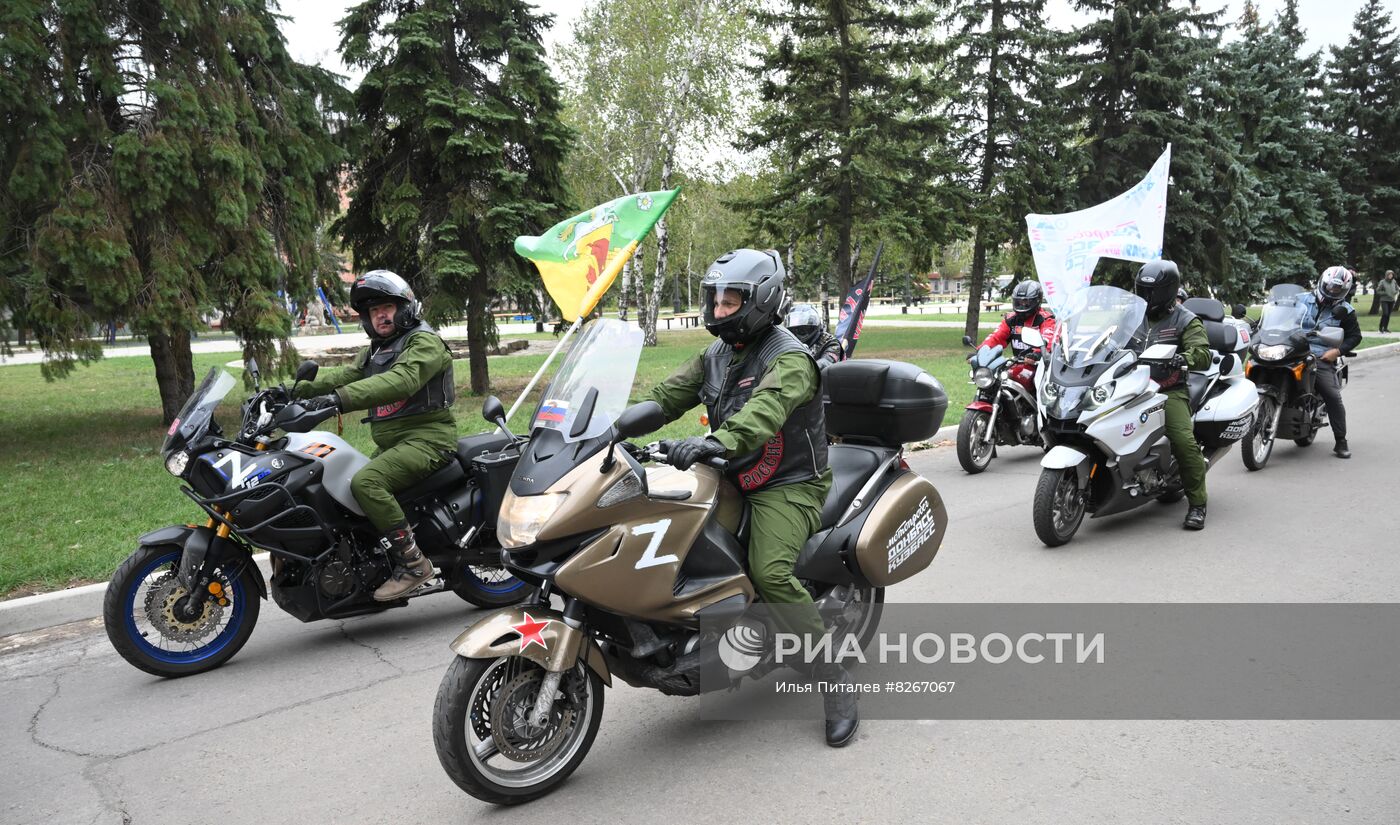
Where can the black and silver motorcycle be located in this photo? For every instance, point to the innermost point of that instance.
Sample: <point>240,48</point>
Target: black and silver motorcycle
<point>1282,365</point>
<point>187,600</point>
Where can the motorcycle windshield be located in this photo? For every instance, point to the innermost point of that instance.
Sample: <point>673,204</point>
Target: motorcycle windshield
<point>1099,323</point>
<point>1281,318</point>
<point>198,411</point>
<point>595,382</point>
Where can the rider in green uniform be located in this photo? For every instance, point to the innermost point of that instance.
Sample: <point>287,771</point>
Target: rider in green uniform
<point>1168,322</point>
<point>762,393</point>
<point>404,380</point>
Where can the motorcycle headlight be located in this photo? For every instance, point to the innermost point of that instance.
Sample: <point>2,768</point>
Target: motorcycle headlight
<point>522,517</point>
<point>176,463</point>
<point>1101,393</point>
<point>1273,352</point>
<point>983,378</point>
<point>1052,390</point>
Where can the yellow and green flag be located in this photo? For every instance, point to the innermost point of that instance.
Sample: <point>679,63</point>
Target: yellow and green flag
<point>579,258</point>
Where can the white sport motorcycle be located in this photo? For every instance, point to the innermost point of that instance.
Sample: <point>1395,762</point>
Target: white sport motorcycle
<point>1105,418</point>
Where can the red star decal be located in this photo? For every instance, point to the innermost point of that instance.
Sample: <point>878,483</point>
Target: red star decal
<point>529,631</point>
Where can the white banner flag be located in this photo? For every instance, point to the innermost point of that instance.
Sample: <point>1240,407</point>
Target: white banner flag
<point>1067,247</point>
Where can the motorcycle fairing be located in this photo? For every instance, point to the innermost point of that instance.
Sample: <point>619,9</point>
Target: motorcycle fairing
<point>340,459</point>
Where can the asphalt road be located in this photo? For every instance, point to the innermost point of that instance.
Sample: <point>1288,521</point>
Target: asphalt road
<point>330,722</point>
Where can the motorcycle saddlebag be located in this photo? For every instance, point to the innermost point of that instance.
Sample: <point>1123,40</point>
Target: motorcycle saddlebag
<point>902,532</point>
<point>1227,417</point>
<point>882,402</point>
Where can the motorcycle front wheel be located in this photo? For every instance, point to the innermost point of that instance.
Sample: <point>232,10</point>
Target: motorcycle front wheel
<point>1058,508</point>
<point>974,453</point>
<point>489,746</point>
<point>153,625</point>
<point>1259,443</point>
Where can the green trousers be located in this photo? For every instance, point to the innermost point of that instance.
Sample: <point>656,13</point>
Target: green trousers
<point>1180,432</point>
<point>780,522</point>
<point>391,470</point>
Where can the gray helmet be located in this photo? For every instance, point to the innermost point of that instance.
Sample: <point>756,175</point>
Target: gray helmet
<point>1026,297</point>
<point>805,322</point>
<point>1156,283</point>
<point>757,278</point>
<point>381,285</point>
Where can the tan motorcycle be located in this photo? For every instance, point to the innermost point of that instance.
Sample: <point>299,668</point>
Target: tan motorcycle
<point>641,555</point>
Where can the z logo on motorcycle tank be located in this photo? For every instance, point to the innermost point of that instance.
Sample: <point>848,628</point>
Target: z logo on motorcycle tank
<point>657,531</point>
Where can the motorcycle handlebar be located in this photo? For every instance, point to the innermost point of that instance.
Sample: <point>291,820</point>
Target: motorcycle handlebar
<point>659,449</point>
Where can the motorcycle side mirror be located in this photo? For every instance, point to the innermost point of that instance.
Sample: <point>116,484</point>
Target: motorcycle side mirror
<point>1238,311</point>
<point>251,367</point>
<point>967,340</point>
<point>639,419</point>
<point>495,412</point>
<point>307,370</point>
<point>1032,336</point>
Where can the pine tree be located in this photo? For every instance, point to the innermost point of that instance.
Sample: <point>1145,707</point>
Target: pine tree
<point>1008,133</point>
<point>165,159</point>
<point>850,120</point>
<point>1363,111</point>
<point>461,151</point>
<point>1140,84</point>
<point>1263,103</point>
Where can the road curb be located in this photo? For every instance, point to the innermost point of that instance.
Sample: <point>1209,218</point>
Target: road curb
<point>75,604</point>
<point>79,603</point>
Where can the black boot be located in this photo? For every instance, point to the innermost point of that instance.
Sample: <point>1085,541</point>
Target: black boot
<point>1195,517</point>
<point>842,717</point>
<point>411,568</point>
<point>1341,449</point>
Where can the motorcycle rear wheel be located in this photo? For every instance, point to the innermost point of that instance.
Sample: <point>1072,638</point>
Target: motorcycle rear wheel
<point>1058,508</point>
<point>489,587</point>
<point>467,735</point>
<point>142,592</point>
<point>974,454</point>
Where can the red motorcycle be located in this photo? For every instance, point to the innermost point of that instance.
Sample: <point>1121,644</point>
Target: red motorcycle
<point>1004,412</point>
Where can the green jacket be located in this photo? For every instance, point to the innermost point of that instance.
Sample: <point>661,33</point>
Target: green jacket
<point>1195,345</point>
<point>789,383</point>
<point>422,358</point>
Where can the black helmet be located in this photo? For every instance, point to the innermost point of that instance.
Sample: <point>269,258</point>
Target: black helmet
<point>1181,295</point>
<point>377,287</point>
<point>805,322</point>
<point>1157,283</point>
<point>758,278</point>
<point>1026,297</point>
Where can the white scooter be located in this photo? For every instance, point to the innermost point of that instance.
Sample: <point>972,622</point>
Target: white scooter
<point>1105,418</point>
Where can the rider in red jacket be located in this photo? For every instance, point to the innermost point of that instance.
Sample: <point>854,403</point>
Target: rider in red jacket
<point>1026,311</point>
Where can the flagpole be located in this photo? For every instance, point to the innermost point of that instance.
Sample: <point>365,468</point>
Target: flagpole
<point>543,367</point>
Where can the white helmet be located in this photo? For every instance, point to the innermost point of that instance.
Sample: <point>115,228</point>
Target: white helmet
<point>1335,284</point>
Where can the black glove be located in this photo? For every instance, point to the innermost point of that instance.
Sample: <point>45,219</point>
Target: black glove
<point>686,452</point>
<point>322,402</point>
<point>1178,362</point>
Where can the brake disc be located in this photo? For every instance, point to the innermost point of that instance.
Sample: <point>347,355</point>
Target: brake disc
<point>514,736</point>
<point>161,599</point>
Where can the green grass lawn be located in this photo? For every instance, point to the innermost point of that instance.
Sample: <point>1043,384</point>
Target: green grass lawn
<point>80,469</point>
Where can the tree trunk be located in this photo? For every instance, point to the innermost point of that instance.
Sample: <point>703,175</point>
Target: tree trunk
<point>479,327</point>
<point>989,165</point>
<point>174,370</point>
<point>844,206</point>
<point>975,279</point>
<point>653,308</point>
